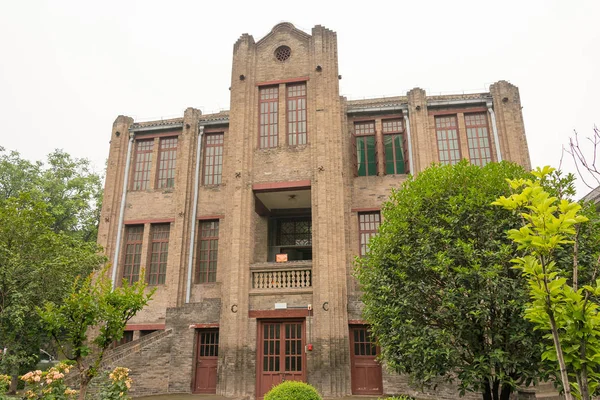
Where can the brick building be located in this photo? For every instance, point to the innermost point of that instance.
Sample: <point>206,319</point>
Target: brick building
<point>294,173</point>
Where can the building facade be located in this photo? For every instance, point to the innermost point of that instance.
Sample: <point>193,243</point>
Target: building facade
<point>247,221</point>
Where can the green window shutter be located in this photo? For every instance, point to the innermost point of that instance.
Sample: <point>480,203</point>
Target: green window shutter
<point>388,146</point>
<point>361,153</point>
<point>399,152</point>
<point>371,160</point>
<point>394,154</point>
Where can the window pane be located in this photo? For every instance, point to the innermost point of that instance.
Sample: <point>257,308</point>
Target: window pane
<point>447,138</point>
<point>213,158</point>
<point>206,264</point>
<point>478,138</point>
<point>143,164</point>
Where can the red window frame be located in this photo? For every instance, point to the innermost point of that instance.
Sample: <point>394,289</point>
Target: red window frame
<point>167,161</point>
<point>159,253</point>
<point>296,114</point>
<point>368,226</point>
<point>208,246</point>
<point>395,128</point>
<point>213,158</point>
<point>478,138</point>
<point>446,128</point>
<point>143,164</point>
<point>268,116</point>
<point>134,236</point>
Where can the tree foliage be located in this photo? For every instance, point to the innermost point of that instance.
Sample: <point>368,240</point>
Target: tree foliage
<point>48,229</point>
<point>561,265</point>
<point>440,292</point>
<point>36,264</point>
<point>90,317</point>
<point>68,186</point>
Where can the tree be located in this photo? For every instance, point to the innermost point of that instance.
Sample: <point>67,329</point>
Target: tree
<point>36,264</point>
<point>68,186</point>
<point>439,291</point>
<point>90,317</point>
<point>561,265</point>
<point>585,164</point>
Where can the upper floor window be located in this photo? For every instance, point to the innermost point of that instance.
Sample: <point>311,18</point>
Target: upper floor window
<point>478,139</point>
<point>268,123</point>
<point>208,247</point>
<point>394,146</point>
<point>213,158</point>
<point>446,129</point>
<point>167,158</point>
<point>296,114</point>
<point>368,226</point>
<point>143,164</point>
<point>133,252</point>
<point>366,154</point>
<point>159,252</point>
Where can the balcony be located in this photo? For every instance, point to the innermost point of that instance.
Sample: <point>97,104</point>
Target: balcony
<point>291,276</point>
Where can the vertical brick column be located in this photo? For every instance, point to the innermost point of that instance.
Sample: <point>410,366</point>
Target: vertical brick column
<point>423,143</point>
<point>185,178</point>
<point>509,120</point>
<point>329,363</point>
<point>236,369</point>
<point>113,186</point>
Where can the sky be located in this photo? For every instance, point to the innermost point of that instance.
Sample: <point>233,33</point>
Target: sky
<point>69,68</point>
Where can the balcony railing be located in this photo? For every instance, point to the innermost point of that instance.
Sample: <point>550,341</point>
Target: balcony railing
<point>291,275</point>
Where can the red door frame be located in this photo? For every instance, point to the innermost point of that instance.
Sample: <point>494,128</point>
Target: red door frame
<point>211,361</point>
<point>259,349</point>
<point>367,359</point>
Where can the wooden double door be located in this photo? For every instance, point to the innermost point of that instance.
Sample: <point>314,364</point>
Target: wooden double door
<point>207,355</point>
<point>366,370</point>
<point>281,356</point>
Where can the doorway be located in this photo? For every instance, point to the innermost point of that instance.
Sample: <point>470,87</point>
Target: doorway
<point>366,370</point>
<point>207,355</point>
<point>280,355</point>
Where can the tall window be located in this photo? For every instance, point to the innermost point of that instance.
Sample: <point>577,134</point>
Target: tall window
<point>296,114</point>
<point>208,246</point>
<point>159,252</point>
<point>368,225</point>
<point>447,138</point>
<point>213,159</point>
<point>269,104</point>
<point>167,158</point>
<point>133,252</point>
<point>478,139</point>
<point>143,164</point>
<point>396,158</point>
<point>366,157</point>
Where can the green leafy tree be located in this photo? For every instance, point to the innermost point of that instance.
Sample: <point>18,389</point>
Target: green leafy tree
<point>36,264</point>
<point>440,292</point>
<point>90,317</point>
<point>561,265</point>
<point>68,186</point>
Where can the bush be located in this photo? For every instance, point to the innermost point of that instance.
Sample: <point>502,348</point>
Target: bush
<point>399,397</point>
<point>293,390</point>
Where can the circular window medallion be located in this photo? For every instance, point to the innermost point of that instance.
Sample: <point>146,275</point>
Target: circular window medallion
<point>282,53</point>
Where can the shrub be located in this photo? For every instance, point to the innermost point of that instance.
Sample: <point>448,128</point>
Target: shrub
<point>4,383</point>
<point>399,397</point>
<point>293,390</point>
<point>116,385</point>
<point>48,385</point>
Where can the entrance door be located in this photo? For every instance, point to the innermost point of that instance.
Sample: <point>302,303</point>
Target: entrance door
<point>366,371</point>
<point>281,354</point>
<point>207,354</point>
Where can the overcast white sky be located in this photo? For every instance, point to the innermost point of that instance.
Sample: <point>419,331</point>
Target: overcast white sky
<point>68,68</point>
